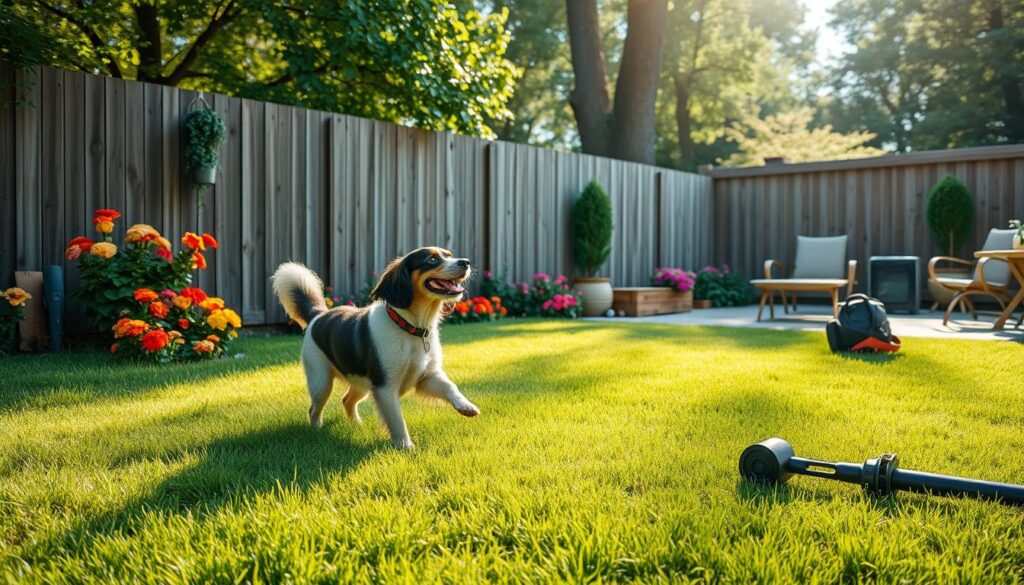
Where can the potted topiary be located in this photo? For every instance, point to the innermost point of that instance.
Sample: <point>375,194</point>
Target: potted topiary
<point>204,133</point>
<point>592,236</point>
<point>950,216</point>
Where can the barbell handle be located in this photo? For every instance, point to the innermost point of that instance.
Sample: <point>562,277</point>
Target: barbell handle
<point>847,472</point>
<point>934,483</point>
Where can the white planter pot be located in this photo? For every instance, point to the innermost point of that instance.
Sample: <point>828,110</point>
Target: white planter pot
<point>597,295</point>
<point>1018,243</point>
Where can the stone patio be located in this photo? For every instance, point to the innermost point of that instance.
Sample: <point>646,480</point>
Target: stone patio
<point>813,318</point>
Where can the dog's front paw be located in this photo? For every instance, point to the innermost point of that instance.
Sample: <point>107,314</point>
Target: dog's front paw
<point>403,444</point>
<point>467,409</point>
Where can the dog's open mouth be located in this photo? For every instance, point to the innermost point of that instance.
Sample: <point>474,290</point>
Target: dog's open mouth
<point>445,287</point>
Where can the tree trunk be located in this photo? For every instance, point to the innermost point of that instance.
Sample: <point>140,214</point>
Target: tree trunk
<point>147,21</point>
<point>636,90</point>
<point>687,154</point>
<point>589,97</point>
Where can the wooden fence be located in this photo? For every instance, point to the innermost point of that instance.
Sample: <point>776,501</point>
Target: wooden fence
<point>342,194</point>
<point>879,202</point>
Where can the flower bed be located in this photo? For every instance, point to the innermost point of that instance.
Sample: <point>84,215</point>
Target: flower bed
<point>542,297</point>
<point>118,290</point>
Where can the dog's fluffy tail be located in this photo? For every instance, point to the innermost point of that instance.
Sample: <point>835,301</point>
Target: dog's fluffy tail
<point>300,291</point>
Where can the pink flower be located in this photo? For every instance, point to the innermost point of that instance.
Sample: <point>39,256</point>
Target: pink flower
<point>168,294</point>
<point>541,276</point>
<point>561,279</point>
<point>488,274</point>
<point>547,304</point>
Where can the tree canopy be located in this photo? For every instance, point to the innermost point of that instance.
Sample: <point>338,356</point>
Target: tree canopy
<point>420,62</point>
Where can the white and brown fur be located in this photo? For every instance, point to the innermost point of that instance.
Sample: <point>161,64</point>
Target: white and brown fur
<point>364,350</point>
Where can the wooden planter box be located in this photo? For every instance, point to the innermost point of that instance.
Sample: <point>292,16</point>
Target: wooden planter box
<point>640,301</point>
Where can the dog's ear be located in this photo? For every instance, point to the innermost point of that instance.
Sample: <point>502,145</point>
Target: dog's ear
<point>395,285</point>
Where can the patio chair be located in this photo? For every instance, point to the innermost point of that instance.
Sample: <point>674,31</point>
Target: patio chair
<point>991,276</point>
<point>820,267</point>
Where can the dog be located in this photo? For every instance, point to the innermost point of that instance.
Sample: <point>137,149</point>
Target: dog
<point>384,350</point>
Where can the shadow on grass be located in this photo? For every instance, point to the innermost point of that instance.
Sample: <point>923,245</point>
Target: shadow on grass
<point>230,469</point>
<point>871,358</point>
<point>87,375</point>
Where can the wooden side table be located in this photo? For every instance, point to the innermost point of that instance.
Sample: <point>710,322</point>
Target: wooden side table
<point>1015,258</point>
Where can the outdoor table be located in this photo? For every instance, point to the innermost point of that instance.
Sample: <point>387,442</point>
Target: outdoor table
<point>1015,258</point>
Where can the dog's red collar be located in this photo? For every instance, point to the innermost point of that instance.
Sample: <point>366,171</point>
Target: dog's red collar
<point>405,325</point>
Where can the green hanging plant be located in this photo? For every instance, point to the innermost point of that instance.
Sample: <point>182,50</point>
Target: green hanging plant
<point>204,134</point>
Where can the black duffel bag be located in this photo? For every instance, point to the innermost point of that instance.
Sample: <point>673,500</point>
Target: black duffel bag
<point>862,326</point>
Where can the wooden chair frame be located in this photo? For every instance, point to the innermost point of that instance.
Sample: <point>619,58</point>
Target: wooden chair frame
<point>977,287</point>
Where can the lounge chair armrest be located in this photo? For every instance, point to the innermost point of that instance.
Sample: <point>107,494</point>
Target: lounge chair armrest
<point>768,267</point>
<point>851,276</point>
<point>937,259</point>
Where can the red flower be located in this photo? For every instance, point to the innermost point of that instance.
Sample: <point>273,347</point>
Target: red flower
<point>145,295</point>
<point>479,309</point>
<point>82,242</point>
<point>113,348</point>
<point>155,340</point>
<point>198,261</point>
<point>196,294</point>
<point>164,253</point>
<point>462,307</point>
<point>210,241</point>
<point>158,310</point>
<point>111,213</point>
<point>183,323</point>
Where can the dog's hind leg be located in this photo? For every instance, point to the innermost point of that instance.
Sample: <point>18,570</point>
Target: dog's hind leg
<point>319,380</point>
<point>353,396</point>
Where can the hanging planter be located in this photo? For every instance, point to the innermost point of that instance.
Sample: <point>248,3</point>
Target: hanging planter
<point>204,133</point>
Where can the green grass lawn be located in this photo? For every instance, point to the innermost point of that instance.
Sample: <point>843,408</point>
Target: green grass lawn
<point>604,452</point>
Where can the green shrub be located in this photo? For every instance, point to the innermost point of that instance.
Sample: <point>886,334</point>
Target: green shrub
<point>204,133</point>
<point>950,214</point>
<point>591,229</point>
<point>721,287</point>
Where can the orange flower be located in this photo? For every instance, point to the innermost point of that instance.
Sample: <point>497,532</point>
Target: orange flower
<point>212,303</point>
<point>210,242</point>
<point>480,309</point>
<point>158,310</point>
<point>504,311</point>
<point>141,232</point>
<point>182,302</point>
<point>213,338</point>
<point>496,300</point>
<point>145,295</point>
<point>155,340</point>
<point>103,250</point>
<point>197,295</point>
<point>462,307</point>
<point>183,323</point>
<point>192,241</point>
<point>104,224</point>
<point>130,328</point>
<point>234,335</point>
<point>198,261</point>
<point>15,296</point>
<point>203,346</point>
<point>163,243</point>
<point>173,334</point>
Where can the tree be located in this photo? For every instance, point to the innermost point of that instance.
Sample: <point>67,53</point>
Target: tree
<point>931,74</point>
<point>950,214</point>
<point>408,61</point>
<point>624,128</point>
<point>787,135</point>
<point>721,57</point>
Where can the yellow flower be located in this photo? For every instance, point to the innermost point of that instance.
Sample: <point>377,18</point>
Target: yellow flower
<point>233,319</point>
<point>234,335</point>
<point>217,319</point>
<point>16,296</point>
<point>163,243</point>
<point>104,227</point>
<point>203,346</point>
<point>179,341</point>
<point>212,303</point>
<point>182,302</point>
<point>103,249</point>
<point>141,232</point>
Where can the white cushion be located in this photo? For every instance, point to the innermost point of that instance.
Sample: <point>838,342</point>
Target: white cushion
<point>818,258</point>
<point>997,272</point>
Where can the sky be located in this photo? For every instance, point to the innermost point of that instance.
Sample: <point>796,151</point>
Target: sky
<point>830,44</point>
